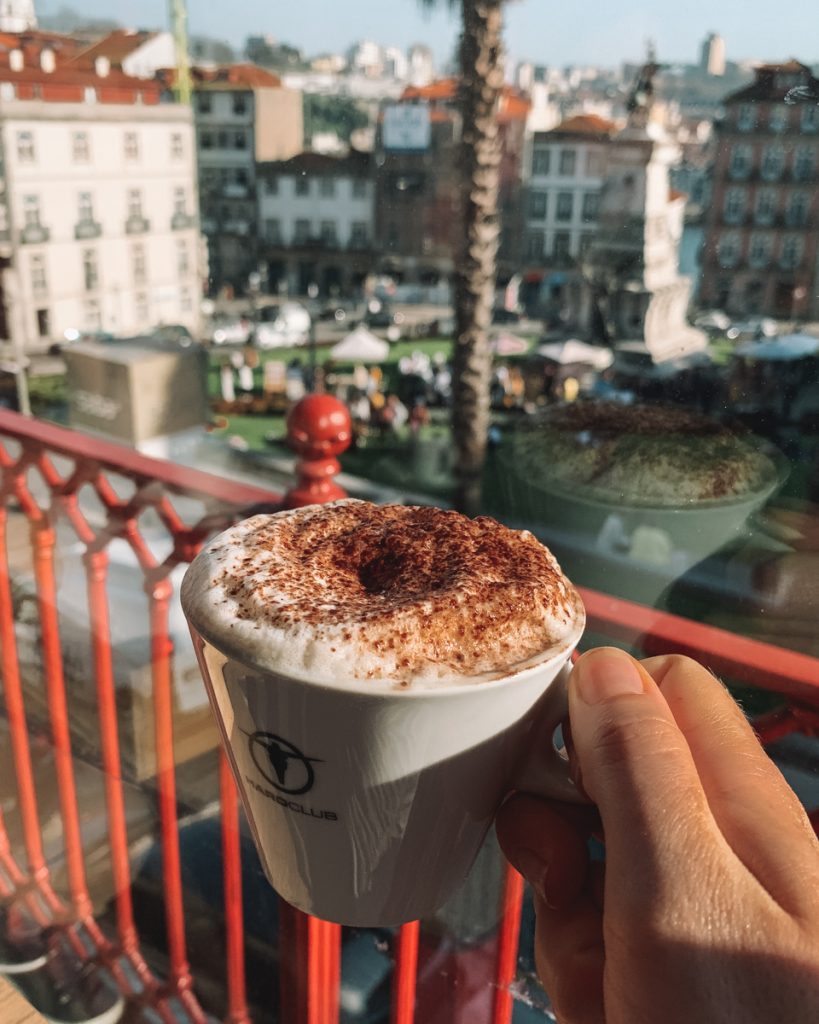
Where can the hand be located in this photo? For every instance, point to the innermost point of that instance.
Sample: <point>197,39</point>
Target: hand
<point>707,909</point>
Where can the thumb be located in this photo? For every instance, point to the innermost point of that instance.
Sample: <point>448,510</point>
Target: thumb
<point>635,764</point>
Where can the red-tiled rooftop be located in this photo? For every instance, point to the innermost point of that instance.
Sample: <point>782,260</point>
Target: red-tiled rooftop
<point>116,46</point>
<point>513,105</point>
<point>231,76</point>
<point>586,124</point>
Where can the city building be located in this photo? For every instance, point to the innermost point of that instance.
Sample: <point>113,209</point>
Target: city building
<point>712,55</point>
<point>761,231</point>
<point>562,178</point>
<point>421,63</point>
<point>316,217</point>
<point>99,225</point>
<point>244,116</point>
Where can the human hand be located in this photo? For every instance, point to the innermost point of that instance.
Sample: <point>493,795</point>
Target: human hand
<point>707,908</point>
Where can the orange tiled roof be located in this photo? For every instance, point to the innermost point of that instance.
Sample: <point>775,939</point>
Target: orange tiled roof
<point>586,124</point>
<point>116,46</point>
<point>229,76</point>
<point>442,89</point>
<point>675,193</point>
<point>789,65</point>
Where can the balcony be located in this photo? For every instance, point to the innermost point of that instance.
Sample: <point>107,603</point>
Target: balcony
<point>87,229</point>
<point>181,221</point>
<point>34,234</point>
<point>219,946</point>
<point>137,225</point>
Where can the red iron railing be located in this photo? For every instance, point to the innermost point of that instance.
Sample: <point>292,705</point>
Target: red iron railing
<point>64,465</point>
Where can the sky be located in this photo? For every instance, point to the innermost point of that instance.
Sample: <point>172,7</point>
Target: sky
<point>552,32</point>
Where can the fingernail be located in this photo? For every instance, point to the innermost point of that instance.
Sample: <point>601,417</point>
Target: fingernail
<point>533,868</point>
<point>607,673</point>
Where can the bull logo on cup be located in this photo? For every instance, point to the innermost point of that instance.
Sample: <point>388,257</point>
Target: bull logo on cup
<point>282,764</point>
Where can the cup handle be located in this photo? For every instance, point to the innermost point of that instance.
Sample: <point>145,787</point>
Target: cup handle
<point>543,771</point>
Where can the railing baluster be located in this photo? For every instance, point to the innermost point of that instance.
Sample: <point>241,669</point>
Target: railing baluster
<point>181,983</point>
<point>43,540</point>
<point>405,974</point>
<point>507,954</point>
<point>309,980</point>
<point>232,872</point>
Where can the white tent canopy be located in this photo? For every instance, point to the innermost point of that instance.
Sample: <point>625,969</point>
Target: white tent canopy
<point>361,346</point>
<point>574,351</point>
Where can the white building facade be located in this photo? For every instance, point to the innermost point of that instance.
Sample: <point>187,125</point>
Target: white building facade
<point>563,174</point>
<point>100,220</point>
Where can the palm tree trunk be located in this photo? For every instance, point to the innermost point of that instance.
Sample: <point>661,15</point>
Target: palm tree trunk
<point>481,66</point>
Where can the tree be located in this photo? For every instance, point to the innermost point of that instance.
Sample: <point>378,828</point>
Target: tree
<point>480,59</point>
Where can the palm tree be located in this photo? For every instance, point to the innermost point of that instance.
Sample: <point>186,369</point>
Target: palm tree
<point>479,90</point>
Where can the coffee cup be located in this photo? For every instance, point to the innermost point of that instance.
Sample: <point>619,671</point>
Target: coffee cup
<point>369,803</point>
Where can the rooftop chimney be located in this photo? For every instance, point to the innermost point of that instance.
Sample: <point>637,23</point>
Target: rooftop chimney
<point>16,60</point>
<point>47,61</point>
<point>102,66</point>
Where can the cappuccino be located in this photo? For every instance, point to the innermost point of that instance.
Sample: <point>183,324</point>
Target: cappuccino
<point>356,594</point>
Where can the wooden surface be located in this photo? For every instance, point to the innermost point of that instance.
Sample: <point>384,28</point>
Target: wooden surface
<point>13,1007</point>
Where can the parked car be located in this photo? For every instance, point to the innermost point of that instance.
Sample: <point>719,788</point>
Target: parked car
<point>227,330</point>
<point>282,326</point>
<point>173,334</point>
<point>755,327</point>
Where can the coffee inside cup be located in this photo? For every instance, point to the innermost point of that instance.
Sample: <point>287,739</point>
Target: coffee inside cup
<point>353,593</point>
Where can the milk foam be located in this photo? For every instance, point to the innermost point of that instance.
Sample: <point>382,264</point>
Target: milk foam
<point>354,593</point>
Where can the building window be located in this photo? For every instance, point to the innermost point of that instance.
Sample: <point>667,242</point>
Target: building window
<point>778,118</point>
<point>183,264</point>
<point>734,208</point>
<point>302,231</point>
<point>271,186</point>
<point>796,215</point>
<point>239,140</point>
<point>139,264</point>
<point>595,164</point>
<point>25,147</point>
<point>591,206</point>
<point>89,94</point>
<point>39,284</point>
<point>359,236</point>
<point>131,146</point>
<point>759,252</point>
<point>728,249</point>
<point>85,208</point>
<point>142,309</point>
<point>809,119</point>
<point>586,242</point>
<point>791,254</point>
<point>204,103</point>
<point>221,139</point>
<point>43,323</point>
<point>568,162</point>
<point>206,140</point>
<point>272,230</point>
<point>740,165</point>
<point>804,163</point>
<point>773,162</point>
<point>90,270</point>
<point>80,147</point>
<point>92,315</point>
<point>134,203</point>
<point>534,245</point>
<point>766,203</point>
<point>239,103</point>
<point>359,188</point>
<point>538,205</point>
<point>327,187</point>
<point>185,300</point>
<point>541,161</point>
<point>177,146</point>
<point>565,206</point>
<point>302,185</point>
<point>31,211</point>
<point>746,117</point>
<point>560,249</point>
<point>180,200</point>
<point>327,230</point>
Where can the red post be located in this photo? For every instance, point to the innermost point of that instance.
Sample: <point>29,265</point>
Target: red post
<point>508,936</point>
<point>405,974</point>
<point>232,873</point>
<point>319,427</point>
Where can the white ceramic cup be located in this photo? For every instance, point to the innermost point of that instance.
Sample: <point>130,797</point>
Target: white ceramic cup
<point>368,806</point>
